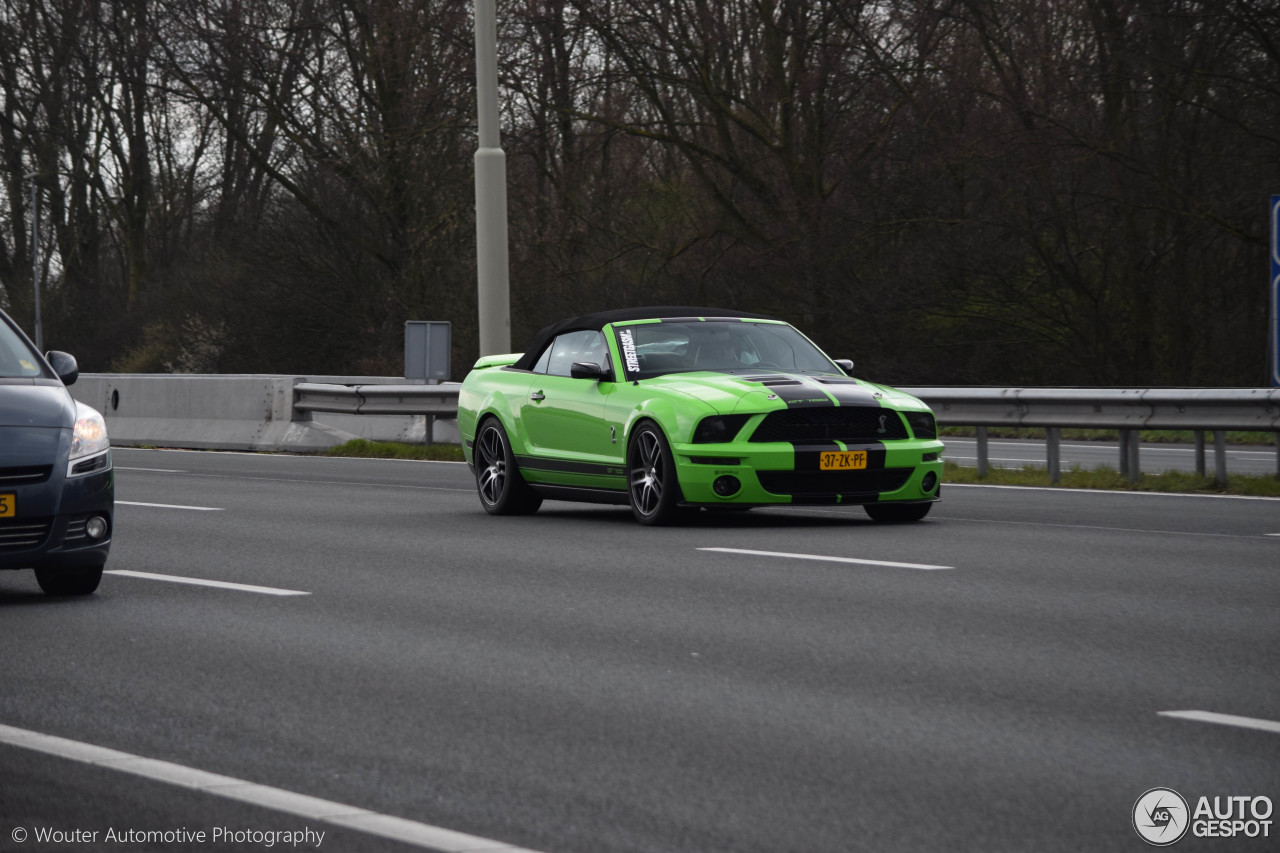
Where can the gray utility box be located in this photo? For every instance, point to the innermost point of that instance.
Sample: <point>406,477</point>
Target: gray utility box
<point>426,350</point>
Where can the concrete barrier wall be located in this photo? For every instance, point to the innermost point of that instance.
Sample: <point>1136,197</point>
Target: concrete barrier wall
<point>238,412</point>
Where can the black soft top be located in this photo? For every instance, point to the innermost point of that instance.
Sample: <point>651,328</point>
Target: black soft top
<point>599,320</point>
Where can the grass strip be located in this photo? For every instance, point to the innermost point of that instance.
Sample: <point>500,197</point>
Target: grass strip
<point>362,448</point>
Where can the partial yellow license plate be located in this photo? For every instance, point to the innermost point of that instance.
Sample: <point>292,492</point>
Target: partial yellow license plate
<point>843,460</point>
<point>8,506</point>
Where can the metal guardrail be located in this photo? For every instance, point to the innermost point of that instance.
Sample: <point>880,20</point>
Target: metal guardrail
<point>1201,410</point>
<point>1106,408</point>
<point>434,401</point>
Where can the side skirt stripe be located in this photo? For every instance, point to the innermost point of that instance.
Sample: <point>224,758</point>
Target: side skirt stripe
<point>540,463</point>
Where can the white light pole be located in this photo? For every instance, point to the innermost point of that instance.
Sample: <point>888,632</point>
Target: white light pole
<point>494,288</point>
<point>35,259</point>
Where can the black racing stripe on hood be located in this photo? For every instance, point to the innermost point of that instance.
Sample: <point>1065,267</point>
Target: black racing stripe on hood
<point>851,395</point>
<point>801,391</point>
<point>796,394</point>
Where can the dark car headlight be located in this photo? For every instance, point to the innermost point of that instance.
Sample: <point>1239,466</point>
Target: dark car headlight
<point>719,428</point>
<point>922,424</point>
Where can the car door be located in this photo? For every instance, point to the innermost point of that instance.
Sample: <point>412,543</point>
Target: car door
<point>563,417</point>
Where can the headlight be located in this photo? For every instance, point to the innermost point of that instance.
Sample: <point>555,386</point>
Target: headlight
<point>922,424</point>
<point>718,429</point>
<point>90,436</point>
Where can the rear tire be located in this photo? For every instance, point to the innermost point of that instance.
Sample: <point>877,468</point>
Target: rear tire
<point>897,513</point>
<point>501,489</point>
<point>77,581</point>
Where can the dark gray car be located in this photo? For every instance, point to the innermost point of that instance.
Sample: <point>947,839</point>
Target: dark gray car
<point>57,487</point>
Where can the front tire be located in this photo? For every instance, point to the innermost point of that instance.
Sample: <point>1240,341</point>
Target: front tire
<point>651,477</point>
<point>78,581</point>
<point>897,513</point>
<point>501,489</point>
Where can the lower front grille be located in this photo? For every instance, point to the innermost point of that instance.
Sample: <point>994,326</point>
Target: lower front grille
<point>834,482</point>
<point>76,530</point>
<point>20,535</point>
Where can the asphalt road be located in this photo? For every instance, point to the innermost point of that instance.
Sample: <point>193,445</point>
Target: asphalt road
<point>991,679</point>
<point>1153,458</point>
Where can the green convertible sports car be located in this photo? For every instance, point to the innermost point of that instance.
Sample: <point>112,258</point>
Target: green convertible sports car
<point>669,409</point>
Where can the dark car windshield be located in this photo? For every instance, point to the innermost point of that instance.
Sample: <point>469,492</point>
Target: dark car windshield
<point>16,358</point>
<point>652,349</point>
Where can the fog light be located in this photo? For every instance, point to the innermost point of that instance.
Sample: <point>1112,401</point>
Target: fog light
<point>930,480</point>
<point>726,486</point>
<point>96,527</point>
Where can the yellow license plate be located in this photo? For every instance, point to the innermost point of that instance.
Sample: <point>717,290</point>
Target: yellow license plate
<point>843,460</point>
<point>8,506</point>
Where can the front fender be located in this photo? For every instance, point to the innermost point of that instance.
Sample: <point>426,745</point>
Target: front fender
<point>677,417</point>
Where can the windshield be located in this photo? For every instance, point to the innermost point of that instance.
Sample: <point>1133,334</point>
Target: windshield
<point>652,349</point>
<point>16,358</point>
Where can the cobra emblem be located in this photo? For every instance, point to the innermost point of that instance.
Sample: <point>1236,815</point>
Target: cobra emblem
<point>883,425</point>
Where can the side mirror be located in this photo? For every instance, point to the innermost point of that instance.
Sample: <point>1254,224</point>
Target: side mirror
<point>845,364</point>
<point>588,370</point>
<point>63,364</point>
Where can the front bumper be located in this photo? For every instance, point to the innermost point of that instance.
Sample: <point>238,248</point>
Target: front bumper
<point>785,473</point>
<point>49,527</point>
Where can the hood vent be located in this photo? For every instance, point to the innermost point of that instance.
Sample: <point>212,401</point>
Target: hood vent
<point>772,381</point>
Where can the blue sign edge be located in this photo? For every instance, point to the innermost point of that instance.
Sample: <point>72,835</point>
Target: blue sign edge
<point>1274,279</point>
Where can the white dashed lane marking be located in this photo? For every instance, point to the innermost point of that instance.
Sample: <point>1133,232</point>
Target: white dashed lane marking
<point>238,587</point>
<point>312,808</point>
<point>170,506</point>
<point>1225,720</point>
<point>854,560</point>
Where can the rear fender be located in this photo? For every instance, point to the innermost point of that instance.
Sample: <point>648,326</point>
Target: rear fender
<point>499,405</point>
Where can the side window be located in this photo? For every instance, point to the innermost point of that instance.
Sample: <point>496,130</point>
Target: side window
<point>586,345</point>
<point>543,361</point>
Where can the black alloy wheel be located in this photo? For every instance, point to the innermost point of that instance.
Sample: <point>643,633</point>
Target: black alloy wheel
<point>651,477</point>
<point>498,482</point>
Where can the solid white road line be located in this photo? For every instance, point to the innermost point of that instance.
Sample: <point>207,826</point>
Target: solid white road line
<point>239,587</point>
<point>362,820</point>
<point>1225,720</point>
<point>1092,492</point>
<point>827,559</point>
<point>171,506</point>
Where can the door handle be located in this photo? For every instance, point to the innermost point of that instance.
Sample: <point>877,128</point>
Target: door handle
<point>537,395</point>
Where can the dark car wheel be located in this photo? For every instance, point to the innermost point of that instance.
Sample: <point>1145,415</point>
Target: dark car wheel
<point>651,477</point>
<point>897,512</point>
<point>498,482</point>
<point>79,581</point>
